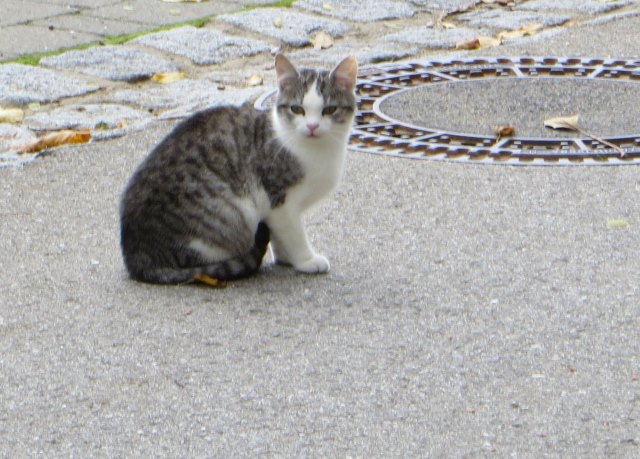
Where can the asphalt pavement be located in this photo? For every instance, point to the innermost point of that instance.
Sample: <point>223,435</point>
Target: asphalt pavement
<point>471,310</point>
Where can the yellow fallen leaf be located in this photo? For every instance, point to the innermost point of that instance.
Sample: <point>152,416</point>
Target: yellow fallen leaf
<point>168,77</point>
<point>327,7</point>
<point>617,224</point>
<point>278,23</point>
<point>210,281</point>
<point>525,31</point>
<point>56,139</point>
<point>563,122</point>
<point>11,115</point>
<point>255,80</point>
<point>322,40</point>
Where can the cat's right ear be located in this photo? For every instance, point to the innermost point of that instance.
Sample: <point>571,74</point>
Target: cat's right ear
<point>284,70</point>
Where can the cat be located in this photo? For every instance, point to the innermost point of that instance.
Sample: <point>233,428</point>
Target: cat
<point>211,196</point>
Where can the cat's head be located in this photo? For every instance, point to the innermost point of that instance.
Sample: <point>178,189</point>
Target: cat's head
<point>315,105</point>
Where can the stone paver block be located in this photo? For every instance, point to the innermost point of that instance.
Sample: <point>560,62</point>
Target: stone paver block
<point>26,39</point>
<point>121,63</point>
<point>365,55</point>
<point>93,25</point>
<point>436,38</point>
<point>355,10</point>
<point>203,46</point>
<point>162,13</point>
<point>447,6</point>
<point>583,6</point>
<point>12,12</point>
<point>182,98</point>
<point>90,116</point>
<point>291,27</point>
<point>80,3</point>
<point>23,84</point>
<point>509,20</point>
<point>612,17</point>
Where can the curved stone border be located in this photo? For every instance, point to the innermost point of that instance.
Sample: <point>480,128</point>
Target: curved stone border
<point>377,132</point>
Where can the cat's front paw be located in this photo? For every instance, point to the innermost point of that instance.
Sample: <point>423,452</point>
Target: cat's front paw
<point>316,265</point>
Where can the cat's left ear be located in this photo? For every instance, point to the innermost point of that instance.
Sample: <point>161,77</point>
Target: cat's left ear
<point>345,73</point>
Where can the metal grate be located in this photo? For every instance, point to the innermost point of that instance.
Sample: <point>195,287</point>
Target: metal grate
<point>376,132</point>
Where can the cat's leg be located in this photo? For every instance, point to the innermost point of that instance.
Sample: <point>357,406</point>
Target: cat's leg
<point>290,243</point>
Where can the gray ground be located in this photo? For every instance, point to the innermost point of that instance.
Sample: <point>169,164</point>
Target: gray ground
<point>471,311</point>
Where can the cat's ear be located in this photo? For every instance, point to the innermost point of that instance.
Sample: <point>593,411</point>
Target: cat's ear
<point>284,70</point>
<point>345,73</point>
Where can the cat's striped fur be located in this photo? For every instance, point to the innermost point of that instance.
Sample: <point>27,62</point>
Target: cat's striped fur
<point>209,198</point>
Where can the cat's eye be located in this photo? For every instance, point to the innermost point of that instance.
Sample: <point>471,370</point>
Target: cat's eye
<point>297,109</point>
<point>329,110</point>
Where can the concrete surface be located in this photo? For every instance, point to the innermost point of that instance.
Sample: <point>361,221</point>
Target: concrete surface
<point>471,311</point>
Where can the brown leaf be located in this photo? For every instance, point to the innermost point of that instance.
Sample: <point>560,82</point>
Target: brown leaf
<point>469,44</point>
<point>479,43</point>
<point>563,122</point>
<point>322,40</point>
<point>504,130</point>
<point>56,139</point>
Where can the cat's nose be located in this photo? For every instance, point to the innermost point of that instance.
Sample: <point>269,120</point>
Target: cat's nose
<point>312,127</point>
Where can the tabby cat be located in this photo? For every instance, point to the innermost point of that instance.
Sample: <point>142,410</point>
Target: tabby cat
<point>207,200</point>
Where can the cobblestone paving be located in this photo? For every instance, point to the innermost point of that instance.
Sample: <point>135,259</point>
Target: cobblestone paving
<point>110,88</point>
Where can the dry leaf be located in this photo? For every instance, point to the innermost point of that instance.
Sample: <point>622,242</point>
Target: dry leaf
<point>210,281</point>
<point>168,77</point>
<point>278,23</point>
<point>479,43</point>
<point>56,139</point>
<point>11,115</point>
<point>255,80</point>
<point>525,31</point>
<point>617,224</point>
<point>327,7</point>
<point>563,122</point>
<point>322,40</point>
<point>469,44</point>
<point>504,130</point>
<point>571,123</point>
<point>440,23</point>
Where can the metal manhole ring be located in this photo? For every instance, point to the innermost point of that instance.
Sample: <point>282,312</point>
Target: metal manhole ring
<point>377,132</point>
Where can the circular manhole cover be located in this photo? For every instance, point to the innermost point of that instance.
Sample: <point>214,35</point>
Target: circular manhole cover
<point>445,110</point>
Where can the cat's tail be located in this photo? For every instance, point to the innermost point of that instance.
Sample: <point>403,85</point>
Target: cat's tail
<point>234,268</point>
